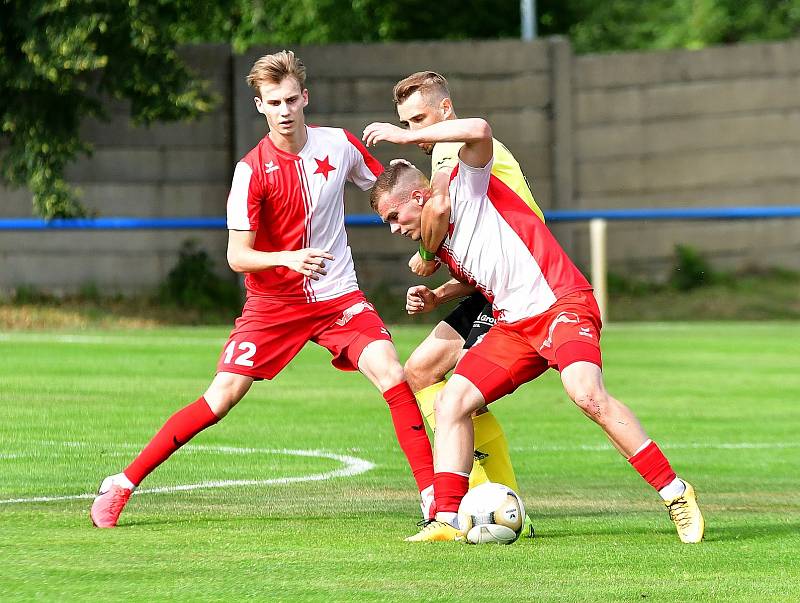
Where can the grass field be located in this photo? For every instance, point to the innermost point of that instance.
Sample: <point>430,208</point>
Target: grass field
<point>723,400</point>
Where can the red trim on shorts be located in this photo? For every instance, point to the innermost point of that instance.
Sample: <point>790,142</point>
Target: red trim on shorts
<point>577,351</point>
<point>492,380</point>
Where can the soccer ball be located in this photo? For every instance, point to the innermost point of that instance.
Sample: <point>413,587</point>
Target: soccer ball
<point>491,513</point>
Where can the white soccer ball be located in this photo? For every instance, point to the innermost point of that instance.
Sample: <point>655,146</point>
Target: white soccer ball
<point>491,513</point>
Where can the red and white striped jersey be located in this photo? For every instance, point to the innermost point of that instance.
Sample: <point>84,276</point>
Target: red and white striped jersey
<point>297,201</point>
<point>497,243</point>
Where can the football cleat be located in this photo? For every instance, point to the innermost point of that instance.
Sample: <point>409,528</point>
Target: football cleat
<point>527,528</point>
<point>435,531</point>
<point>686,515</point>
<point>427,503</point>
<point>107,506</point>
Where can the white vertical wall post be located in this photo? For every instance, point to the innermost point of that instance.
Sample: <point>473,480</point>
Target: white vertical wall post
<point>599,262</point>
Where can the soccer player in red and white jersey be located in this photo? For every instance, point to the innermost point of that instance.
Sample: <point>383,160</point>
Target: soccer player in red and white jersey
<point>546,317</point>
<point>286,232</point>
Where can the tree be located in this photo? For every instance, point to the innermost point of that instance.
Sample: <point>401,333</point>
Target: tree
<point>618,25</point>
<point>60,58</point>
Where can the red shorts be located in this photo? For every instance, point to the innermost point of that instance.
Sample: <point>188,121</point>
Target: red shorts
<point>270,333</point>
<point>512,354</point>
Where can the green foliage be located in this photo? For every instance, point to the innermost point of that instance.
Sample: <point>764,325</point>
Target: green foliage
<point>617,25</point>
<point>30,294</point>
<point>193,284</point>
<point>244,23</point>
<point>691,269</point>
<point>60,58</point>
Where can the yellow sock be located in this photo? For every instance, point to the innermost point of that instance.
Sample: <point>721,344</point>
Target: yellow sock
<point>425,397</point>
<point>492,461</point>
<point>491,454</point>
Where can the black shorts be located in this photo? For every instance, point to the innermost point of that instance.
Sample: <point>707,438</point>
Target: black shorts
<point>472,318</point>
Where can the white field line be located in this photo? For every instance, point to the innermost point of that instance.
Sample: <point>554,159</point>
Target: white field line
<point>143,340</point>
<point>665,446</point>
<point>352,466</point>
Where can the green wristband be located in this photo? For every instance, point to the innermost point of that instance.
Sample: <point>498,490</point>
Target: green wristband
<point>425,254</point>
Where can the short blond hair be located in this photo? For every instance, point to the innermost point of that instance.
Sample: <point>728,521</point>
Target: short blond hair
<point>397,179</point>
<point>274,68</point>
<point>432,86</point>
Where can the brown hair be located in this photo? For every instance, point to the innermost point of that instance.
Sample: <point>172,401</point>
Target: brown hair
<point>274,68</point>
<point>429,83</point>
<point>395,178</point>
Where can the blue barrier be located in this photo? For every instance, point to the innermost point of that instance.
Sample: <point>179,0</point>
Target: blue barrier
<point>211,223</point>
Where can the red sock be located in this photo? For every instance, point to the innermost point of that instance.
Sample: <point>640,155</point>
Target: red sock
<point>449,489</point>
<point>410,429</point>
<point>653,466</point>
<point>179,429</point>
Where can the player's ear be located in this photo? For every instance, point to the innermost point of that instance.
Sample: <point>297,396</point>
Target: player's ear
<point>305,97</point>
<point>446,107</point>
<point>420,196</point>
<point>259,104</point>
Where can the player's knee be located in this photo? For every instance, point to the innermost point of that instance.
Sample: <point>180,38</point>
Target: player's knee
<point>417,373</point>
<point>391,375</point>
<point>449,408</point>
<point>224,394</point>
<point>593,402</point>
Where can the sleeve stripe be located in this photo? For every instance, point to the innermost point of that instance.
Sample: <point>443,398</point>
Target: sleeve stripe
<point>373,164</point>
<point>237,199</point>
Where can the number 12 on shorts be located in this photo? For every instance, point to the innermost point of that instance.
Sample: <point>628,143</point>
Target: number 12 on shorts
<point>247,349</point>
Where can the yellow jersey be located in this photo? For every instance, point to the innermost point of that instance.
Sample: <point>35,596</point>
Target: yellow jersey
<point>505,167</point>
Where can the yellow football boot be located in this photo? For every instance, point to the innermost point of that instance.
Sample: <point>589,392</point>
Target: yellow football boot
<point>435,531</point>
<point>686,515</point>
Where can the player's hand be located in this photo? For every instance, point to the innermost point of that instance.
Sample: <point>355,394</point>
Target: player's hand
<point>420,299</point>
<point>421,267</point>
<point>377,131</point>
<point>309,262</point>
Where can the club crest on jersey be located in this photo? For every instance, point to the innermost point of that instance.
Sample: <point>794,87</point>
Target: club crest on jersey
<point>354,310</point>
<point>271,167</point>
<point>324,166</point>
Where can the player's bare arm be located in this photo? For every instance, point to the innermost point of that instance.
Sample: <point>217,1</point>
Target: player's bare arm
<point>435,220</point>
<point>436,212</point>
<point>474,132</point>
<point>242,257</point>
<point>420,299</point>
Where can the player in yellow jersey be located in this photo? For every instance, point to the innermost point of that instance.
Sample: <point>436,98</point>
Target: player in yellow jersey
<point>423,99</point>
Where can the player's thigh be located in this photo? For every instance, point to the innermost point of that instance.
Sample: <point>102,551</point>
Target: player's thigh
<point>435,356</point>
<point>359,340</point>
<point>500,363</point>
<point>267,337</point>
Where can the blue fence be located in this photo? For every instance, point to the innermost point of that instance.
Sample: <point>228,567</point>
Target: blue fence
<point>210,223</point>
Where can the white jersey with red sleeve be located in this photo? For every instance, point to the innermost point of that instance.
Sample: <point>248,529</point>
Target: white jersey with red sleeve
<point>297,201</point>
<point>497,243</point>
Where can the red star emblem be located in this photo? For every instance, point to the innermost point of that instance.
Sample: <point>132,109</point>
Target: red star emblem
<point>324,167</point>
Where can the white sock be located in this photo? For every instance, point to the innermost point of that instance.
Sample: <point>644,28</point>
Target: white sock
<point>647,442</point>
<point>451,518</point>
<point>122,480</point>
<point>673,489</point>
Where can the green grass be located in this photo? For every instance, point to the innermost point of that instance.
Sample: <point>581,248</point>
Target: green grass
<point>722,399</point>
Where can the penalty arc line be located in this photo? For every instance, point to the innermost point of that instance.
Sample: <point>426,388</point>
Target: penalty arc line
<point>352,466</point>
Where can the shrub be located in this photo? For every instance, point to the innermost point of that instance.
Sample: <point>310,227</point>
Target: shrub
<point>193,284</point>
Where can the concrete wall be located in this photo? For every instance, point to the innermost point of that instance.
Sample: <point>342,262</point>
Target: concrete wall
<point>686,128</point>
<point>713,127</point>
